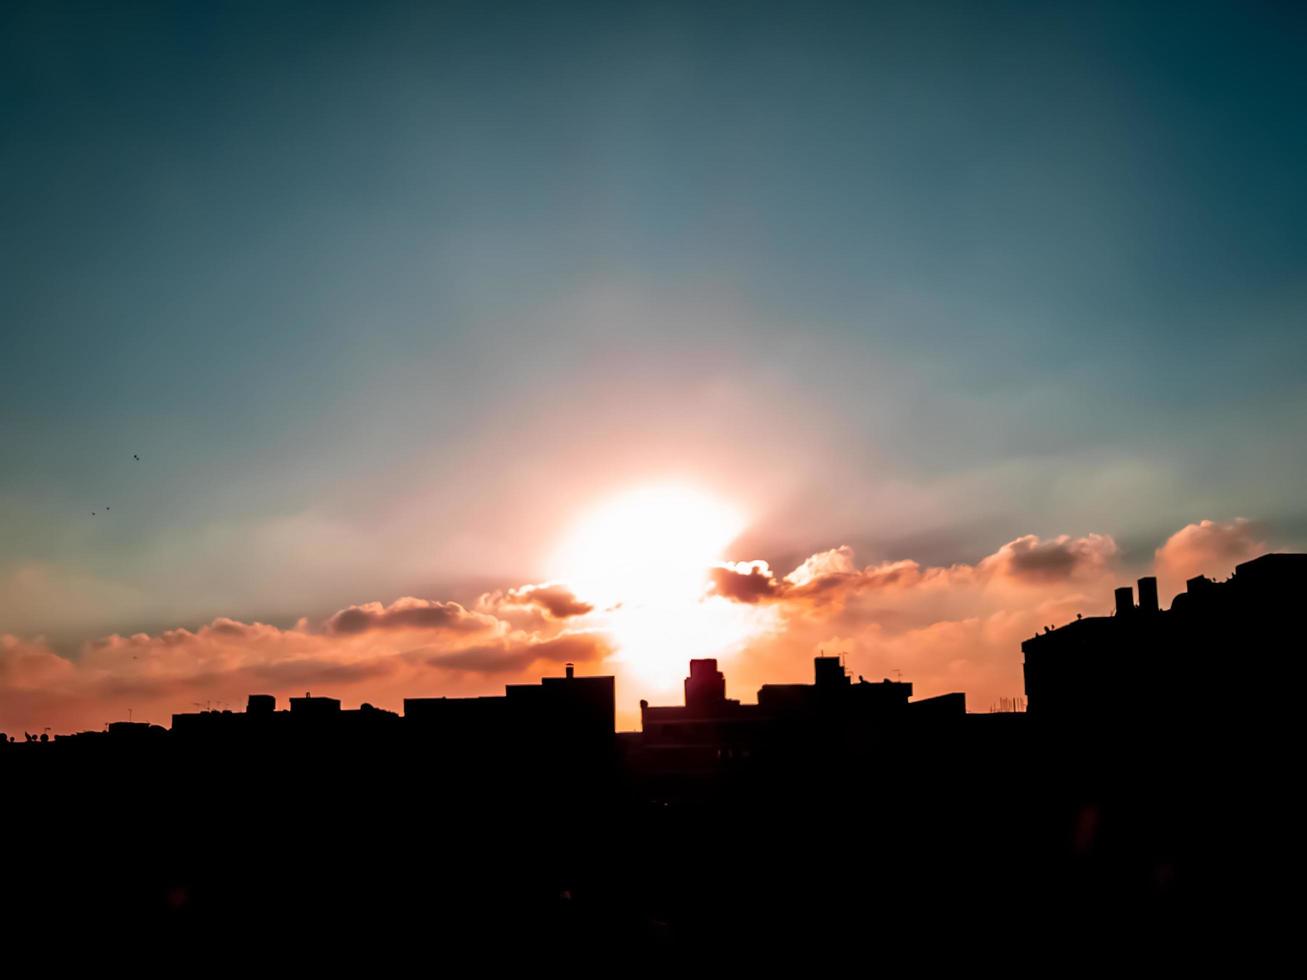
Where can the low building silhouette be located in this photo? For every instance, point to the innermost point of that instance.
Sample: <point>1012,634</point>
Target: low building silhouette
<point>833,712</point>
<point>571,709</point>
<point>311,707</point>
<point>309,716</point>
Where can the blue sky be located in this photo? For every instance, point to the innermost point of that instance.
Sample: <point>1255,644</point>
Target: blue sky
<point>383,294</point>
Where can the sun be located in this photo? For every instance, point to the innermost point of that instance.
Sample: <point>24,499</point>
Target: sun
<point>642,558</point>
<point>651,543</point>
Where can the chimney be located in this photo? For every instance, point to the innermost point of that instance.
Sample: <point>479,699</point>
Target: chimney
<point>571,671</point>
<point>1125,601</point>
<point>1148,594</point>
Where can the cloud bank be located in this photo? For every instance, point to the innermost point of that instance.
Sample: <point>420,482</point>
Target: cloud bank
<point>945,628</point>
<point>381,653</point>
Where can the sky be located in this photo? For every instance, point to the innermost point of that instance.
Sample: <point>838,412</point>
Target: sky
<point>897,329</point>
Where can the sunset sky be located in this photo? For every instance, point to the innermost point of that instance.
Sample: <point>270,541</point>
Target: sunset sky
<point>458,341</point>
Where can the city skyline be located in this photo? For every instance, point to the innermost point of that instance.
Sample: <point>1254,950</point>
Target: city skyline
<point>774,624</point>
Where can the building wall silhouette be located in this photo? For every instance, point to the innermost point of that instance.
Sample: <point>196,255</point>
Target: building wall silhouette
<point>1145,665</point>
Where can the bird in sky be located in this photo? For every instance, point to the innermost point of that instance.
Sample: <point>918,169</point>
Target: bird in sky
<point>135,457</point>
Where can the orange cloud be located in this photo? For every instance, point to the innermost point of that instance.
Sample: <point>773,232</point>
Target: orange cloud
<point>744,581</point>
<point>1058,559</point>
<point>372,651</point>
<point>833,575</point>
<point>529,601</point>
<point>409,613</point>
<point>511,655</point>
<point>1210,548</point>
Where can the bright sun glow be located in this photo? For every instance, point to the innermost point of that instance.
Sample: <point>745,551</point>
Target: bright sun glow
<point>643,558</point>
<point>652,543</point>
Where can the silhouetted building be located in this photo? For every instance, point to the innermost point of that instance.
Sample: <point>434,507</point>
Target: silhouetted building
<point>135,729</point>
<point>833,711</point>
<point>472,717</point>
<point>705,689</point>
<point>1146,665</point>
<point>943,706</point>
<point>570,709</point>
<point>209,724</point>
<point>261,721</point>
<point>311,707</point>
<point>708,718</point>
<point>833,695</point>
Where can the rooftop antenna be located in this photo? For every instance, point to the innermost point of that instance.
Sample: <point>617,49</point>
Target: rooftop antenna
<point>129,714</point>
<point>898,674</point>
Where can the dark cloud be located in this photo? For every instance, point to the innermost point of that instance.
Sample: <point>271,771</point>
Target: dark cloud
<point>746,582</point>
<point>511,656</point>
<point>408,613</point>
<point>557,600</point>
<point>1055,559</point>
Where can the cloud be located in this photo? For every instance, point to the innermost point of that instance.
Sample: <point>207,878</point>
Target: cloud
<point>1210,548</point>
<point>1062,558</point>
<point>825,566</point>
<point>30,665</point>
<point>512,655</point>
<point>744,581</point>
<point>377,652</point>
<point>555,599</point>
<point>834,575</point>
<point>409,613</point>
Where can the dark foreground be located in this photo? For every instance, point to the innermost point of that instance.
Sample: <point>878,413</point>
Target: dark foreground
<point>993,842</point>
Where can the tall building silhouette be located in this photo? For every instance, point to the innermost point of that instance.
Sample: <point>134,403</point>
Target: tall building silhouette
<point>1147,665</point>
